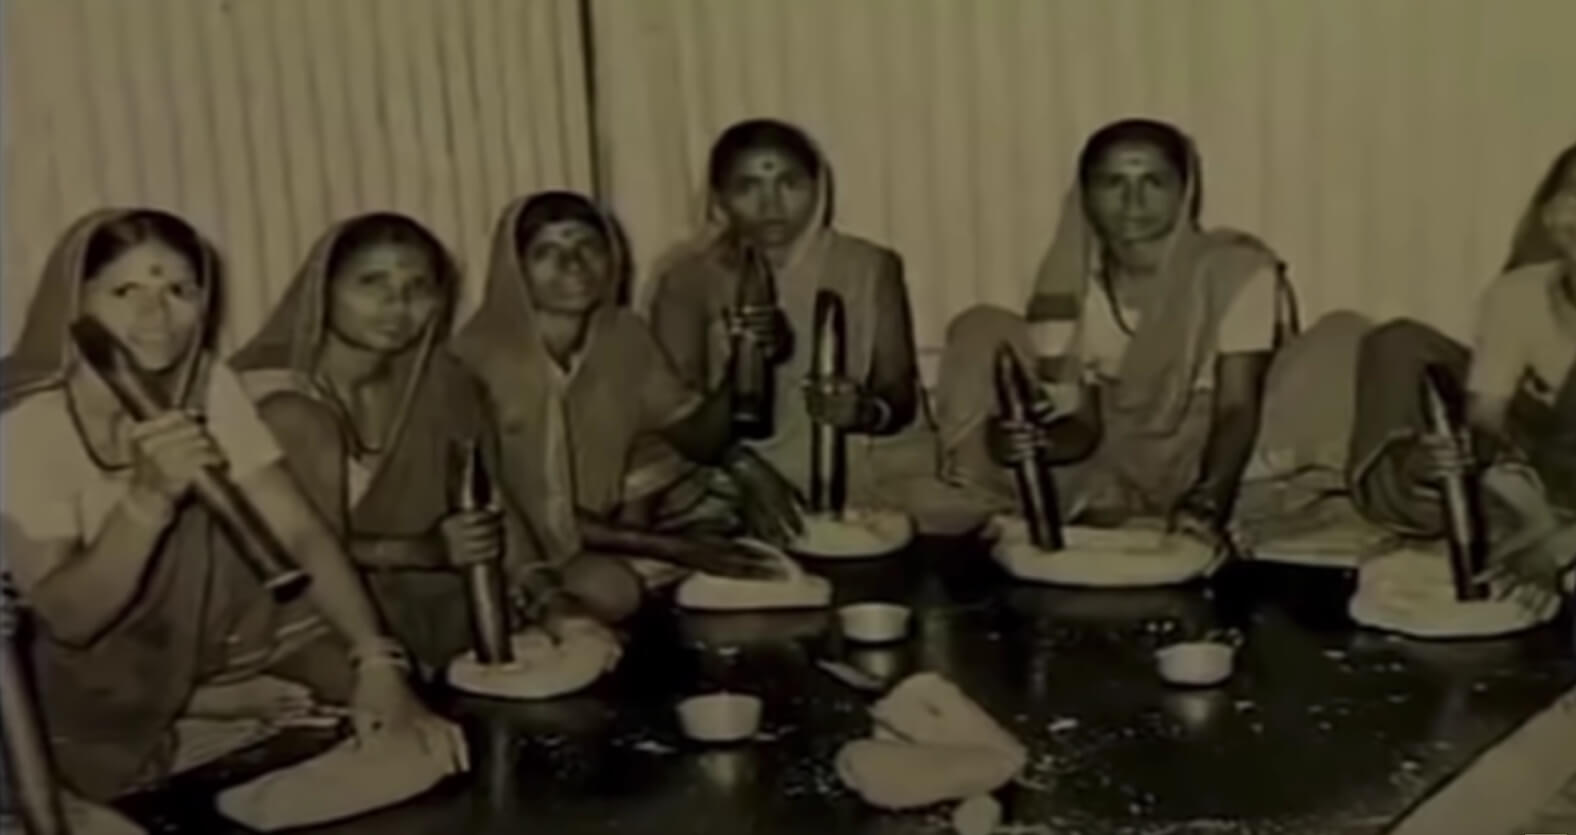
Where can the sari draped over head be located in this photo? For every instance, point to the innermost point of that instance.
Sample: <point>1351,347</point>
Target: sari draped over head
<point>1154,416</point>
<point>569,439</point>
<point>1540,428</point>
<point>110,704</point>
<point>703,280</point>
<point>408,486</point>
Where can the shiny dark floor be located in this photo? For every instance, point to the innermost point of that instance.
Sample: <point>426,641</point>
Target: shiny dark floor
<point>1325,729</point>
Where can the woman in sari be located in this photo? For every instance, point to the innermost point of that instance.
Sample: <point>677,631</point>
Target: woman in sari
<point>578,389</point>
<point>770,191</point>
<point>1519,379</point>
<point>1153,340</point>
<point>375,417</point>
<point>147,613</point>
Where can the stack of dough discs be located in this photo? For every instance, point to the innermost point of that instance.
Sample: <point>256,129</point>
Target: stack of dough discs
<point>795,590</point>
<point>1412,592</point>
<point>860,533</point>
<point>541,669</point>
<point>1103,557</point>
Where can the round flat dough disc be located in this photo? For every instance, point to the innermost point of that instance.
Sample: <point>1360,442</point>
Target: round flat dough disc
<point>1103,557</point>
<point>795,590</point>
<point>861,533</point>
<point>540,669</point>
<point>1411,592</point>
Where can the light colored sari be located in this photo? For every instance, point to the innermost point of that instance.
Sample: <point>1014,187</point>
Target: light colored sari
<point>1155,415</point>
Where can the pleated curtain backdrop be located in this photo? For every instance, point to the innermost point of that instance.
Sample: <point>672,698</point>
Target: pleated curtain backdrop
<point>1384,147</point>
<point>262,121</point>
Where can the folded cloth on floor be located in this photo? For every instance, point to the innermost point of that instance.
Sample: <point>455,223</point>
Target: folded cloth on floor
<point>794,590</point>
<point>542,667</point>
<point>931,744</point>
<point>359,775</point>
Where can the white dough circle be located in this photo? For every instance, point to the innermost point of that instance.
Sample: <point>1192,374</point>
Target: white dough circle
<point>795,590</point>
<point>1103,557</point>
<point>1412,592</point>
<point>541,669</point>
<point>860,533</point>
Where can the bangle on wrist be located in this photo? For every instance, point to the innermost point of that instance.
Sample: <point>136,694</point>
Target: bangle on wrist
<point>380,652</point>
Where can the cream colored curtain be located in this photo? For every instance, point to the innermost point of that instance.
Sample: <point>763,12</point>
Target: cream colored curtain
<point>1385,147</point>
<point>261,121</point>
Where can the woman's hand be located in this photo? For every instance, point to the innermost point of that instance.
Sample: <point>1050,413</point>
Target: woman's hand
<point>1435,459</point>
<point>168,452</point>
<point>726,559</point>
<point>472,536</point>
<point>764,326</point>
<point>771,506</point>
<point>835,402</point>
<point>1197,516</point>
<point>383,703</point>
<point>1011,442</point>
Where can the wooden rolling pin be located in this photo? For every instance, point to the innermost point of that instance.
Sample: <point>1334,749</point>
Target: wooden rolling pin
<point>754,384</point>
<point>254,540</point>
<point>1463,508</point>
<point>484,581</point>
<point>1036,485</point>
<point>828,453</point>
<point>26,746</point>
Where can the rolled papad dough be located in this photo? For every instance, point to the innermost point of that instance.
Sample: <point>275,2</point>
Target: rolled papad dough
<point>354,777</point>
<point>541,669</point>
<point>794,590</point>
<point>1412,592</point>
<point>860,533</point>
<point>1103,557</point>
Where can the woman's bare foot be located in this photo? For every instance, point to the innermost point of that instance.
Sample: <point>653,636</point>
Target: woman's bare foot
<point>260,697</point>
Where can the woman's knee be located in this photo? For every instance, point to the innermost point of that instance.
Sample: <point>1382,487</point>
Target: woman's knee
<point>606,586</point>
<point>983,322</point>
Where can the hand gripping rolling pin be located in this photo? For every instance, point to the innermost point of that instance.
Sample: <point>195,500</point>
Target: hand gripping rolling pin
<point>1463,509</point>
<point>1036,485</point>
<point>828,454</point>
<point>26,751</point>
<point>484,581</point>
<point>256,543</point>
<point>751,369</point>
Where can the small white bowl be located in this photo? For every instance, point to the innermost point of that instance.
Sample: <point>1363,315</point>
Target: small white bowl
<point>874,623</point>
<point>720,717</point>
<point>1196,663</point>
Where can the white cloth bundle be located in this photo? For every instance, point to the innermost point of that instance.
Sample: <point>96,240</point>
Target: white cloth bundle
<point>931,744</point>
<point>357,776</point>
<point>1102,557</point>
<point>542,668</point>
<point>794,590</point>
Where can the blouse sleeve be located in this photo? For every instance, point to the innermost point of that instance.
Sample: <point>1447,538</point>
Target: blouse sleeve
<point>1497,359</point>
<point>40,495</point>
<point>680,326</point>
<point>1249,323</point>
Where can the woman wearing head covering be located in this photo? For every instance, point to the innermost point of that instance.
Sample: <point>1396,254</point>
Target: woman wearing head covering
<point>1520,383</point>
<point>1153,338</point>
<point>146,611</point>
<point>376,419</point>
<point>579,389</point>
<point>770,192</point>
